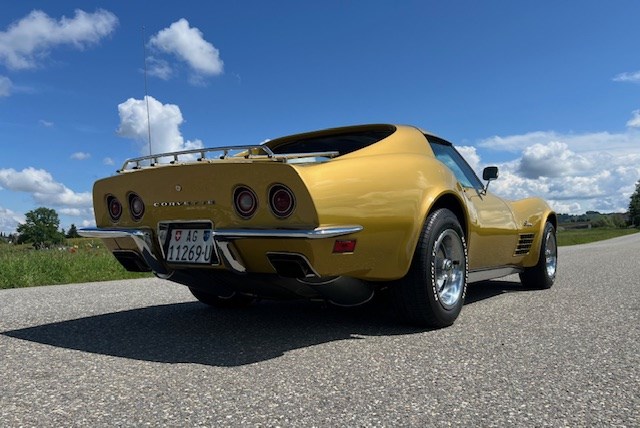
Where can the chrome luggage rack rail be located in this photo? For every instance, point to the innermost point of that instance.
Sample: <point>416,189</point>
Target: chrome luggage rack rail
<point>229,152</point>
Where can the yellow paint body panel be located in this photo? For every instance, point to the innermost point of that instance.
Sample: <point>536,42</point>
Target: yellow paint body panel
<point>388,188</point>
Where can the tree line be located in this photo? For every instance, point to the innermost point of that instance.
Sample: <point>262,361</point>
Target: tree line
<point>634,206</point>
<point>41,229</point>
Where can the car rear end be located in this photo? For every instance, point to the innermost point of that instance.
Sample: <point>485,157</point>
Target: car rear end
<point>242,215</point>
<point>244,209</point>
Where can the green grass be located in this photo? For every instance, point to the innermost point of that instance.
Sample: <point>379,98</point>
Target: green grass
<point>584,236</point>
<point>84,260</point>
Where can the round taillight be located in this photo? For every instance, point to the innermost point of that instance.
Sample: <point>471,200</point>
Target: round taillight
<point>281,201</point>
<point>114,207</point>
<point>136,206</point>
<point>245,202</point>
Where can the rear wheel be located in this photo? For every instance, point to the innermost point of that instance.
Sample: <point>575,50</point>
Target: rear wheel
<point>235,300</point>
<point>432,293</point>
<point>542,275</point>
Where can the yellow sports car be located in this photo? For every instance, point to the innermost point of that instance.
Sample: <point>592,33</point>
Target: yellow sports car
<point>333,215</point>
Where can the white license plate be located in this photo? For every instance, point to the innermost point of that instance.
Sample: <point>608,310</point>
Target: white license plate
<point>191,246</point>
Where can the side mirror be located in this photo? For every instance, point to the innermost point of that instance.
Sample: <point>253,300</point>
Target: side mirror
<point>488,174</point>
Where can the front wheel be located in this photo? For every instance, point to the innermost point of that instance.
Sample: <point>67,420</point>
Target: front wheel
<point>542,275</point>
<point>432,293</point>
<point>235,300</point>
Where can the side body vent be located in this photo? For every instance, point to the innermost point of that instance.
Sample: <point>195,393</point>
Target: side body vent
<point>524,244</point>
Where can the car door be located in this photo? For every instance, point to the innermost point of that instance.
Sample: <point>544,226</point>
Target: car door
<point>492,227</point>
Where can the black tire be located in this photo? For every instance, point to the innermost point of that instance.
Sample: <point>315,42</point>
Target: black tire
<point>543,274</point>
<point>432,293</point>
<point>235,300</point>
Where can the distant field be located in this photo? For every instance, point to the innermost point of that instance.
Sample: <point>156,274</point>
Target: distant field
<point>83,260</point>
<point>584,236</point>
<point>87,260</point>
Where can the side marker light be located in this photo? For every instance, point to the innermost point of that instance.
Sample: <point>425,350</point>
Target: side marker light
<point>341,246</point>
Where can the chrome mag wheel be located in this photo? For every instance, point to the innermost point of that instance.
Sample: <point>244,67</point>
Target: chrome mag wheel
<point>449,272</point>
<point>551,254</point>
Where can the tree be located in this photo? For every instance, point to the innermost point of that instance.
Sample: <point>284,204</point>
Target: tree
<point>634,206</point>
<point>73,232</point>
<point>602,221</point>
<point>41,228</point>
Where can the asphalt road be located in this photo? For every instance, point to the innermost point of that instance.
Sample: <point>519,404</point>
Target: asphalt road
<point>144,352</point>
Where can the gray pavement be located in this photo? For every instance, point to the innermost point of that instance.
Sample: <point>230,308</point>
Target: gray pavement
<point>144,352</point>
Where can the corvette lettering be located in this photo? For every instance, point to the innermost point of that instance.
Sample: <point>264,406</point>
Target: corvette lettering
<point>183,203</point>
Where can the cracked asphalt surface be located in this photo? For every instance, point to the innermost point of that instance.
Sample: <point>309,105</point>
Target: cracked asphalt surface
<point>144,352</point>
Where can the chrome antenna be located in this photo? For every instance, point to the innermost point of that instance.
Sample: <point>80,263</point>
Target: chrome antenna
<point>146,96</point>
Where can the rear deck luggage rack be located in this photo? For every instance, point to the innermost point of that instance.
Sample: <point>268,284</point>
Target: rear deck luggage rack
<point>230,152</point>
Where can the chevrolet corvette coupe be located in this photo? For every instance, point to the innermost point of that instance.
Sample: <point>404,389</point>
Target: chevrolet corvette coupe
<point>333,215</point>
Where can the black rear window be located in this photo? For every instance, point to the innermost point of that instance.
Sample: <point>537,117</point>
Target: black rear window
<point>342,143</point>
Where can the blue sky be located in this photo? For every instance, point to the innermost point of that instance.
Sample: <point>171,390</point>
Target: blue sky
<point>547,90</point>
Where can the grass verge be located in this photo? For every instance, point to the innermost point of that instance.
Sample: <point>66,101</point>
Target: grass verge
<point>584,236</point>
<point>81,260</point>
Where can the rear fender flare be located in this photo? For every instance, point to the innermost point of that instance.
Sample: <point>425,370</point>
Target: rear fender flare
<point>450,200</point>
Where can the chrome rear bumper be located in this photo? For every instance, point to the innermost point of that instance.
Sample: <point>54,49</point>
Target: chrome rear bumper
<point>223,239</point>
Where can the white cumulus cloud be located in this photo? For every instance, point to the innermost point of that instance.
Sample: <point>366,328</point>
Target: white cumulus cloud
<point>633,76</point>
<point>80,156</point>
<point>634,122</point>
<point>165,126</point>
<point>77,212</point>
<point>9,220</point>
<point>573,172</point>
<point>553,159</point>
<point>5,86</point>
<point>188,45</point>
<point>579,143</point>
<point>31,38</point>
<point>43,188</point>
<point>159,68</point>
